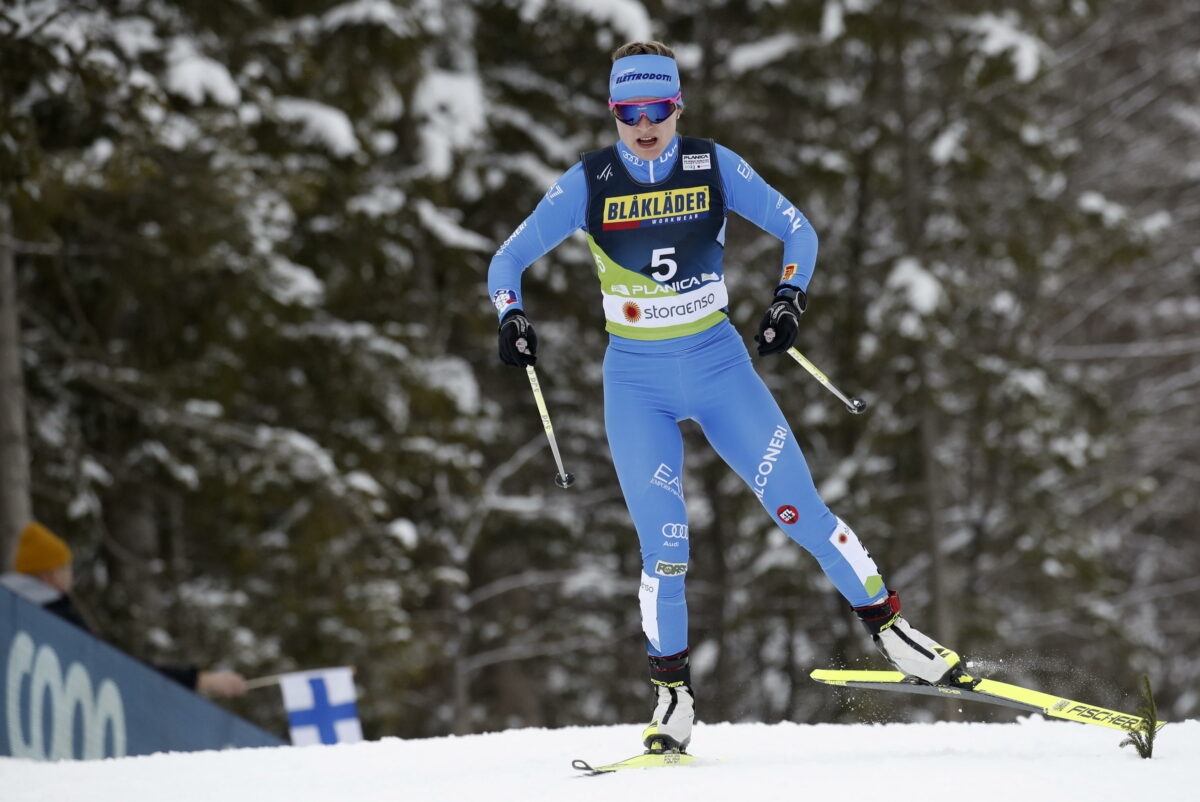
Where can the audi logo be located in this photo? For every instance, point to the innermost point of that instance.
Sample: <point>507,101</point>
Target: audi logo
<point>68,696</point>
<point>675,530</point>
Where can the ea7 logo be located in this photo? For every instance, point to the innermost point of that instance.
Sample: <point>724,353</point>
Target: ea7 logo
<point>675,530</point>
<point>666,478</point>
<point>670,569</point>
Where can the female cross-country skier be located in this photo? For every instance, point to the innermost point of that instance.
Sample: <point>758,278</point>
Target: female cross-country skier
<point>653,207</point>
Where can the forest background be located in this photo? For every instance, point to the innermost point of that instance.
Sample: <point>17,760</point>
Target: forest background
<point>249,366</point>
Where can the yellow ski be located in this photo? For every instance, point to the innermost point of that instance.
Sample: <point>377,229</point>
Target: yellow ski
<point>647,760</point>
<point>986,690</point>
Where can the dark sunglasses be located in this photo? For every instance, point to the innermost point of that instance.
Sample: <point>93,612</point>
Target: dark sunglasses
<point>630,111</point>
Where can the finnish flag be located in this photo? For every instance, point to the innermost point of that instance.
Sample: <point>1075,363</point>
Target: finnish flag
<point>320,706</point>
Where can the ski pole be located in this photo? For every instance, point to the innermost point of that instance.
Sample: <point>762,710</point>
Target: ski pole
<point>562,478</point>
<point>855,405</point>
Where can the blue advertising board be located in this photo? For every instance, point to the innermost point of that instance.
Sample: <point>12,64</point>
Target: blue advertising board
<point>65,694</point>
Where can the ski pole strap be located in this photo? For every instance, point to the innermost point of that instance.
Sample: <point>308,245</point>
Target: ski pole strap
<point>672,671</point>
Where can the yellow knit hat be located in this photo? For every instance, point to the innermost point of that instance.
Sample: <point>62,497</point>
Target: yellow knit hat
<point>40,550</point>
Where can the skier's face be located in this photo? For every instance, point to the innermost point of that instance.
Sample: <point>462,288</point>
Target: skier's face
<point>648,140</point>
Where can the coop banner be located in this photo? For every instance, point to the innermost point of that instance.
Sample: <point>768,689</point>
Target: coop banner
<point>68,695</point>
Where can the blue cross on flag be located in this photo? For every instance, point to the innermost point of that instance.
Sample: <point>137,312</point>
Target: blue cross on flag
<point>320,706</point>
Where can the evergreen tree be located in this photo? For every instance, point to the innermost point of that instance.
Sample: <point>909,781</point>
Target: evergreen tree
<point>265,408</point>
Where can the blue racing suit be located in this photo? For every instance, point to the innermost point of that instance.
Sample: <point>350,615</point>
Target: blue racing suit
<point>656,230</point>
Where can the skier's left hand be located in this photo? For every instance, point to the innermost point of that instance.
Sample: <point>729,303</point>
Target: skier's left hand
<point>777,331</point>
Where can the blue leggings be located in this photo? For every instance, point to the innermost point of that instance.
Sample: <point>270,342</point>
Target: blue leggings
<point>649,386</point>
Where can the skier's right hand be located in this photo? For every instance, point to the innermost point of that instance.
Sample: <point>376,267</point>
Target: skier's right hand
<point>518,342</point>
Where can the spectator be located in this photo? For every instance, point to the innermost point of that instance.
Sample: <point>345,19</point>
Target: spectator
<point>44,576</point>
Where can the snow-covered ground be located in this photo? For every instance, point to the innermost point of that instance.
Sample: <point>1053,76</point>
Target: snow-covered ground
<point>1028,761</point>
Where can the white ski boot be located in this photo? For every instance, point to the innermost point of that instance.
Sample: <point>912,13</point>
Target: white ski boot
<point>912,652</point>
<point>670,727</point>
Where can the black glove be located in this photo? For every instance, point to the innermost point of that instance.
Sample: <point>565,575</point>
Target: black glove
<point>777,331</point>
<point>518,343</point>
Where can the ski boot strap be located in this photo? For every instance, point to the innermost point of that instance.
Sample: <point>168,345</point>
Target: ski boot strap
<point>878,617</point>
<point>671,671</point>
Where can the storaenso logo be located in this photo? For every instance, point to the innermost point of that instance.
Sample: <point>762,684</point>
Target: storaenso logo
<point>70,698</point>
<point>670,569</point>
<point>675,310</point>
